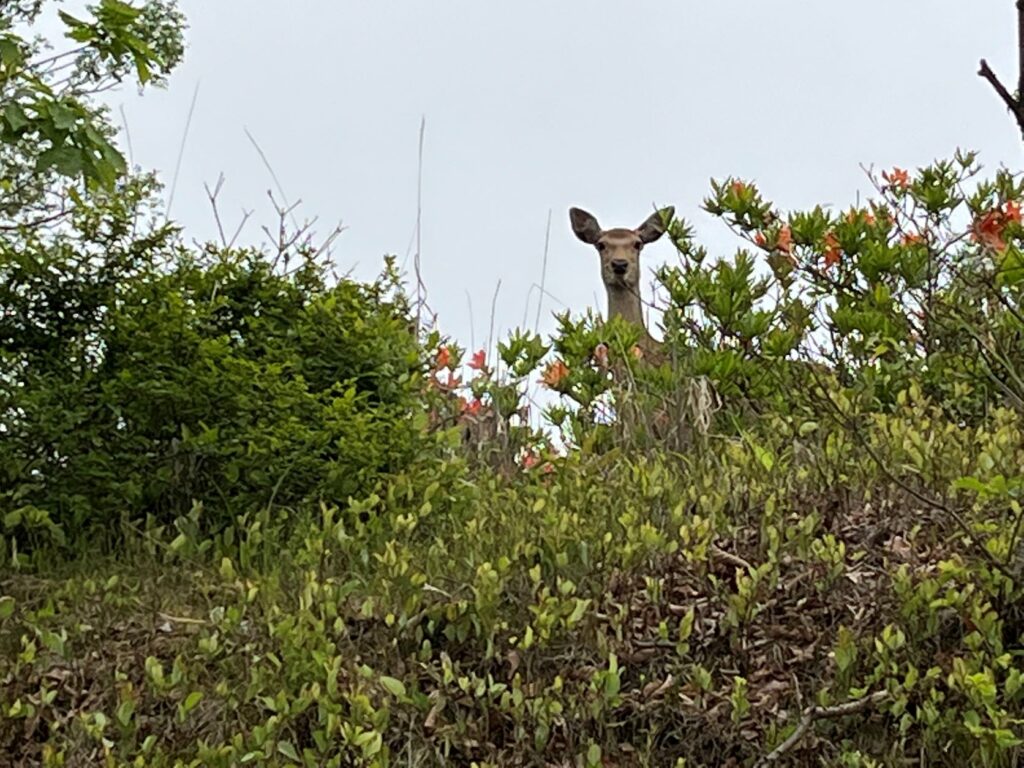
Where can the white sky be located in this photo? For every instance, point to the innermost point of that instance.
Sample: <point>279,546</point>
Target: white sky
<point>538,105</point>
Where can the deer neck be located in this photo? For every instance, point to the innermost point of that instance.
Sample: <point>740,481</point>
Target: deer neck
<point>624,303</point>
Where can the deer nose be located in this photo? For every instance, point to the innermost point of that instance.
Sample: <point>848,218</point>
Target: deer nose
<point>619,266</point>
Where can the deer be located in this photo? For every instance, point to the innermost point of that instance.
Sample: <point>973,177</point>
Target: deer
<point>619,250</point>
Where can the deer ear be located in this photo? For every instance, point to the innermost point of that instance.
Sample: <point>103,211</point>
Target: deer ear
<point>584,225</point>
<point>655,225</point>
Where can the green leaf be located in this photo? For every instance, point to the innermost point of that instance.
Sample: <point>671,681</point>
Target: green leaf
<point>394,686</point>
<point>124,712</point>
<point>971,484</point>
<point>67,161</point>
<point>287,749</point>
<point>78,30</point>
<point>6,606</point>
<point>117,8</point>
<point>15,117</point>
<point>190,702</point>
<point>64,118</point>
<point>142,69</point>
<point>11,55</point>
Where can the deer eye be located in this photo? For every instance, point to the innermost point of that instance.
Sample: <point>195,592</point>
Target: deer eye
<point>601,247</point>
<point>638,245</point>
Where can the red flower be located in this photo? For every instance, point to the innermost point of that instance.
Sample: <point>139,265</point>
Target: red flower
<point>897,178</point>
<point>785,240</point>
<point>833,253</point>
<point>530,460</point>
<point>477,363</point>
<point>452,383</point>
<point>988,229</point>
<point>473,407</point>
<point>444,357</point>
<point>1011,211</point>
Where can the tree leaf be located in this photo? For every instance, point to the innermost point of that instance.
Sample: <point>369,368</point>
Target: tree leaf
<point>287,749</point>
<point>394,686</point>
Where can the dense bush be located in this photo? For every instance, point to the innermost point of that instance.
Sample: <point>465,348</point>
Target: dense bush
<point>208,379</point>
<point>141,377</point>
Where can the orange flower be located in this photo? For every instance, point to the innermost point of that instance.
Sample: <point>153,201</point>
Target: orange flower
<point>897,178</point>
<point>760,240</point>
<point>452,383</point>
<point>601,355</point>
<point>911,238</point>
<point>473,407</point>
<point>1011,211</point>
<point>739,187</point>
<point>530,460</point>
<point>988,230</point>
<point>833,253</point>
<point>854,214</point>
<point>785,240</point>
<point>477,363</point>
<point>554,374</point>
<point>444,357</point>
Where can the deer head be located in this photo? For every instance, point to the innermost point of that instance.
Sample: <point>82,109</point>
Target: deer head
<point>619,250</point>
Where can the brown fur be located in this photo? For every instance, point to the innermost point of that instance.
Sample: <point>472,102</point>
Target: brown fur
<point>619,250</point>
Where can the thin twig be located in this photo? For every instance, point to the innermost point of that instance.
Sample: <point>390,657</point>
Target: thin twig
<point>211,195</point>
<point>811,714</point>
<point>127,136</point>
<point>421,288</point>
<point>181,152</point>
<point>494,302</point>
<point>543,271</point>
<point>273,176</point>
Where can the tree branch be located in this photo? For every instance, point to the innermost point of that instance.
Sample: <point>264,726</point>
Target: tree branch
<point>1013,104</point>
<point>1020,59</point>
<point>986,72</point>
<point>820,713</point>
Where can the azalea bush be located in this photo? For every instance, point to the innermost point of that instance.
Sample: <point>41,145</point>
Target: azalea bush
<point>922,282</point>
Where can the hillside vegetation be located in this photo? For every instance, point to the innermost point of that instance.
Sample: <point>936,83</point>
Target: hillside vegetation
<point>250,514</point>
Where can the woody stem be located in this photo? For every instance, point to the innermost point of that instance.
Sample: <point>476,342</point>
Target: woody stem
<point>1013,103</point>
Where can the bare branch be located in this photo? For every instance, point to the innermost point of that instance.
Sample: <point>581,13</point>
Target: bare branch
<point>543,273</point>
<point>181,150</point>
<point>421,288</point>
<point>1013,103</point>
<point>273,176</point>
<point>811,714</point>
<point>986,72</point>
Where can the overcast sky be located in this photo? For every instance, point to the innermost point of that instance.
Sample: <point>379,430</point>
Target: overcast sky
<point>537,105</point>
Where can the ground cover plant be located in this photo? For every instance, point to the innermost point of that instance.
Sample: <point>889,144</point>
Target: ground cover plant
<point>251,514</point>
